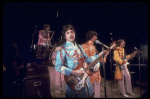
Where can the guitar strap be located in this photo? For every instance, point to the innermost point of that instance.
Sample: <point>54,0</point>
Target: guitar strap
<point>70,55</point>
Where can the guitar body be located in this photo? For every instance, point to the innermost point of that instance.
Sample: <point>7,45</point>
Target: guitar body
<point>76,83</point>
<point>124,66</point>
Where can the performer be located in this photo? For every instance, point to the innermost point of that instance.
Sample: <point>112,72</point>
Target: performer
<point>67,59</point>
<point>44,43</point>
<point>91,50</point>
<point>122,75</point>
<point>44,36</point>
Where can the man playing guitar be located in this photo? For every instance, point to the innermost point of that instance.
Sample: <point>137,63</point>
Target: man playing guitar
<point>68,60</point>
<point>90,50</point>
<point>121,71</point>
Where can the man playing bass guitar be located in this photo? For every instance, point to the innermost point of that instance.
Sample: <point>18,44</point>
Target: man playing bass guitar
<point>69,61</point>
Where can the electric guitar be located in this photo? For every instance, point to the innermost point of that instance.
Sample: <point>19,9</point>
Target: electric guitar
<point>127,59</point>
<point>77,83</point>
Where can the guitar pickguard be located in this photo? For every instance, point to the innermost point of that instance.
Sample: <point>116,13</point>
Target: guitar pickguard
<point>124,66</point>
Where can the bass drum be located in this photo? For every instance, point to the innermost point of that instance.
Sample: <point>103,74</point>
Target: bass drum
<point>53,54</point>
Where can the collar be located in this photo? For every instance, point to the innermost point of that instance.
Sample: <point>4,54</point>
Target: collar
<point>68,43</point>
<point>119,48</point>
<point>90,42</point>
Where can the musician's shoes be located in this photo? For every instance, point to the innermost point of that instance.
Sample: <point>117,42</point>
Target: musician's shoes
<point>126,96</point>
<point>132,94</point>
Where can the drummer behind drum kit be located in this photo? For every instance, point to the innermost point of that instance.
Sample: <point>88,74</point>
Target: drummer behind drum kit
<point>47,53</point>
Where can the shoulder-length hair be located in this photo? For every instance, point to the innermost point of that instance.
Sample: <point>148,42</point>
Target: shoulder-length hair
<point>119,42</point>
<point>64,30</point>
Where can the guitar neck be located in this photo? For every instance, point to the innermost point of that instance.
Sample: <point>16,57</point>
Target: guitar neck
<point>129,57</point>
<point>99,57</point>
<point>93,63</point>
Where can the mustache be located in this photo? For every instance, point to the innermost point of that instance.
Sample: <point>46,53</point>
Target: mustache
<point>71,36</point>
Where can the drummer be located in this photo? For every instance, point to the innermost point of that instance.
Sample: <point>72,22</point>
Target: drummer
<point>44,36</point>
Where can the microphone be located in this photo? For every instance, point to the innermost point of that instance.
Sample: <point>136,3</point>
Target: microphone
<point>137,49</point>
<point>98,42</point>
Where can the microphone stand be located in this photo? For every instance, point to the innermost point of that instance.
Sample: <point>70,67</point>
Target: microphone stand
<point>139,72</point>
<point>104,72</point>
<point>111,69</point>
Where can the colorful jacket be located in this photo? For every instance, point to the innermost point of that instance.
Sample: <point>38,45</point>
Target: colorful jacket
<point>90,50</point>
<point>119,59</point>
<point>42,34</point>
<point>66,61</point>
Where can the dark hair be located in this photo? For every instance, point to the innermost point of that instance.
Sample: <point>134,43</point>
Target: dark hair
<point>45,26</point>
<point>64,30</point>
<point>119,42</point>
<point>90,34</point>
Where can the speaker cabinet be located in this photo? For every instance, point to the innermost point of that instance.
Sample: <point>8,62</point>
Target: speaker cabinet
<point>38,87</point>
<point>36,83</point>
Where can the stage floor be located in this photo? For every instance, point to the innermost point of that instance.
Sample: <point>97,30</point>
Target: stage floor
<point>111,88</point>
<point>111,91</point>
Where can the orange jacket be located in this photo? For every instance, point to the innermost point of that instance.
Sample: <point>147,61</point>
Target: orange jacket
<point>118,58</point>
<point>90,50</point>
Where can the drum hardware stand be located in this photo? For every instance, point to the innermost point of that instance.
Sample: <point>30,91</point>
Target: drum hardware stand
<point>32,46</point>
<point>48,44</point>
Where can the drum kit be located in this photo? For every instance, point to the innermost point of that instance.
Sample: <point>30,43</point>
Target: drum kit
<point>46,52</point>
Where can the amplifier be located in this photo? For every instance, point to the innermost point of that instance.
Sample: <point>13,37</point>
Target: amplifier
<point>36,71</point>
<point>38,87</point>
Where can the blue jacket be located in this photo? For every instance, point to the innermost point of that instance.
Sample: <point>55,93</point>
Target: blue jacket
<point>66,62</point>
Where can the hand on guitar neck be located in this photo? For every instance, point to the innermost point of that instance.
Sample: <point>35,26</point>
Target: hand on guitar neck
<point>79,73</point>
<point>131,55</point>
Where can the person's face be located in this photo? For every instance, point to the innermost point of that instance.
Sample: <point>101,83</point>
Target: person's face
<point>94,38</point>
<point>70,35</point>
<point>122,44</point>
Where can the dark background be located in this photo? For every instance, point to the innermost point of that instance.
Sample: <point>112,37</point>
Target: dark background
<point>125,20</point>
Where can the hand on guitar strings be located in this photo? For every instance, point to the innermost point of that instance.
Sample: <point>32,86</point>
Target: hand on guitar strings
<point>78,73</point>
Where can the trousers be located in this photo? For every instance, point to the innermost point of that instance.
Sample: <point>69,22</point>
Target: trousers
<point>96,89</point>
<point>125,84</point>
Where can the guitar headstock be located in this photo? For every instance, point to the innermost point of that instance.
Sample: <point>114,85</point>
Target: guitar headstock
<point>133,54</point>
